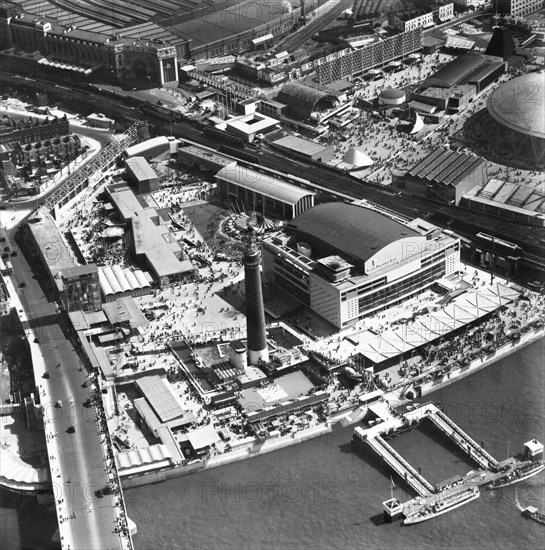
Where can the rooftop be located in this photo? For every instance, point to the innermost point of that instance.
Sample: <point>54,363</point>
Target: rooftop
<point>457,70</point>
<point>140,168</point>
<point>124,200</point>
<point>445,166</point>
<point>351,229</point>
<point>52,245</point>
<point>141,148</point>
<point>264,184</point>
<point>160,398</point>
<point>519,104</point>
<point>125,310</point>
<point>232,21</point>
<point>162,253</point>
<point>250,124</point>
<point>79,270</point>
<point>300,145</point>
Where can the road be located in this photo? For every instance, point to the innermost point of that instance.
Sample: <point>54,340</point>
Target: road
<point>77,460</point>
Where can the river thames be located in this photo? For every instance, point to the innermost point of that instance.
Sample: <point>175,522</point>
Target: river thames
<point>321,495</point>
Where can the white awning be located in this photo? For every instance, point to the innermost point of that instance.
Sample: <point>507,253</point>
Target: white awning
<point>262,39</point>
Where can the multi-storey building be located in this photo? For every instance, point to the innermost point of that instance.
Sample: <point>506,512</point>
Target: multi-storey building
<point>81,288</point>
<point>346,261</point>
<point>420,18</point>
<point>518,8</point>
<point>32,129</point>
<point>122,54</point>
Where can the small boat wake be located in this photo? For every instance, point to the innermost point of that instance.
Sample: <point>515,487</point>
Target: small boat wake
<point>521,509</point>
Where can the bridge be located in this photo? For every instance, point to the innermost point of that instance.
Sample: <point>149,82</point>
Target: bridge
<point>81,461</point>
<point>78,181</point>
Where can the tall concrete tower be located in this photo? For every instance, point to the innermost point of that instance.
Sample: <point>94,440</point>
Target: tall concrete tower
<point>255,314</point>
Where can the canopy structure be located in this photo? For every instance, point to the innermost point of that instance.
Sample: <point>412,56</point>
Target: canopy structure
<point>357,158</point>
<point>137,458</point>
<point>418,125</point>
<point>19,474</point>
<point>467,309</point>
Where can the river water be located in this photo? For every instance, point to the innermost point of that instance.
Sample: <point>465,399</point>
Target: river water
<point>320,495</point>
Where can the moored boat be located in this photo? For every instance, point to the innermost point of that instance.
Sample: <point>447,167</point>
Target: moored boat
<point>520,473</point>
<point>443,506</point>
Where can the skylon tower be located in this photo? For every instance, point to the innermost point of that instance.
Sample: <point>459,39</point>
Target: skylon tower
<point>255,313</point>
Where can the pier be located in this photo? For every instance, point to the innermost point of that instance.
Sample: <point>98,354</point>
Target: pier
<point>400,465</point>
<point>381,419</point>
<point>461,439</point>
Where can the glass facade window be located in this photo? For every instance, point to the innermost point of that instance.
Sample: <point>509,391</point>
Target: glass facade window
<point>394,291</point>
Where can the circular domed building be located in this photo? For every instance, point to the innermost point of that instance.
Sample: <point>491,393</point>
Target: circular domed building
<point>518,109</point>
<point>391,96</point>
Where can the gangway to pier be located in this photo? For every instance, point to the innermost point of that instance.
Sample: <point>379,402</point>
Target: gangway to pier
<point>400,466</point>
<point>353,417</point>
<point>462,440</point>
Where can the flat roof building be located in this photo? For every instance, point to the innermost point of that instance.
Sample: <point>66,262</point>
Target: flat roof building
<point>304,148</point>
<point>142,174</point>
<point>152,242</point>
<point>124,200</point>
<point>509,201</point>
<point>207,160</point>
<point>248,126</point>
<point>158,248</point>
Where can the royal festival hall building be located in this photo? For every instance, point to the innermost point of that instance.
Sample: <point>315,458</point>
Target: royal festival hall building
<point>348,261</point>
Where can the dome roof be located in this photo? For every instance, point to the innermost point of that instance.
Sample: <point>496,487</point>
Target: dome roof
<point>302,98</point>
<point>392,93</point>
<point>519,104</point>
<point>349,229</point>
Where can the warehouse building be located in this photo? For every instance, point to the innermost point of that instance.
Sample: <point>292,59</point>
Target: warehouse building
<point>514,202</point>
<point>453,99</point>
<point>247,26</point>
<point>444,174</point>
<point>347,261</point>
<point>148,52</point>
<point>469,68</point>
<point>262,192</point>
<point>304,149</point>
